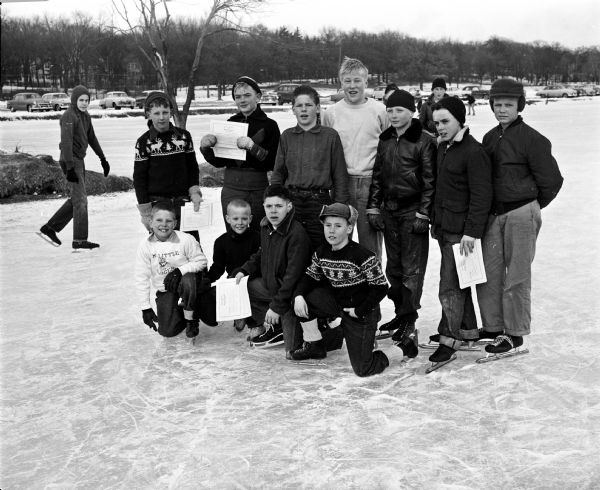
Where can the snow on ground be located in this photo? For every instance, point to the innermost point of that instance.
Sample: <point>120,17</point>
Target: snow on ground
<point>91,398</point>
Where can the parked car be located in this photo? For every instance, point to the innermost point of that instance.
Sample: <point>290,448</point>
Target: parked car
<point>269,98</point>
<point>379,92</point>
<point>28,101</point>
<point>556,91</point>
<point>585,89</point>
<point>141,99</point>
<point>285,92</point>
<point>57,100</point>
<point>339,95</point>
<point>477,91</point>
<point>117,100</point>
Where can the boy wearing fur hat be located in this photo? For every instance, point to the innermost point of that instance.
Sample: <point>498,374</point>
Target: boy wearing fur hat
<point>400,204</point>
<point>438,91</point>
<point>526,179</point>
<point>165,167</point>
<point>76,134</point>
<point>344,279</point>
<point>247,179</point>
<point>463,197</point>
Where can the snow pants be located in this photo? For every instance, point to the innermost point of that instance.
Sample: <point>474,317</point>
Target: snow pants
<point>358,332</point>
<point>75,208</point>
<point>195,297</point>
<point>407,254</point>
<point>458,313</point>
<point>508,251</point>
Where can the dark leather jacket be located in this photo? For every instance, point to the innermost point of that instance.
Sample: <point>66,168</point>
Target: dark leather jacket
<point>404,171</point>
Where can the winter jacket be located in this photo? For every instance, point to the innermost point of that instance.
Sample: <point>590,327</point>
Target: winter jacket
<point>250,174</point>
<point>231,251</point>
<point>76,133</point>
<point>404,172</point>
<point>426,114</point>
<point>463,192</point>
<point>281,261</point>
<point>165,164</point>
<point>523,166</point>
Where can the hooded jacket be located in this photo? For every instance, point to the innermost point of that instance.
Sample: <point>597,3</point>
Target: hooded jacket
<point>404,171</point>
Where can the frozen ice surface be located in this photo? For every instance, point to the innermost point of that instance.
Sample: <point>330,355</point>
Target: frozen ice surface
<point>91,398</point>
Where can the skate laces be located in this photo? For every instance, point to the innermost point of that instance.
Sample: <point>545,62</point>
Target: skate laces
<point>501,338</point>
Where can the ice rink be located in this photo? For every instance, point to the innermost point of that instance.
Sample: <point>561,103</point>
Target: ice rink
<point>91,398</point>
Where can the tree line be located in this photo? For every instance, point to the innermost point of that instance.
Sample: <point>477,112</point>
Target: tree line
<point>60,53</point>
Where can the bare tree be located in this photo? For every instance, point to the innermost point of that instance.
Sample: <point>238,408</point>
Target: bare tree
<point>152,30</point>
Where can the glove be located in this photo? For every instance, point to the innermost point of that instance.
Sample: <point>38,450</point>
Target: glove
<point>72,176</point>
<point>105,166</point>
<point>149,317</point>
<point>376,222</point>
<point>420,225</point>
<point>172,279</point>
<point>208,141</point>
<point>146,214</point>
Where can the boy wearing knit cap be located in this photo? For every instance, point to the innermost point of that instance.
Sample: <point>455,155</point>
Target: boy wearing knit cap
<point>247,179</point>
<point>165,167</point>
<point>400,205</point>
<point>438,91</point>
<point>462,202</point>
<point>344,279</point>
<point>526,179</point>
<point>76,134</point>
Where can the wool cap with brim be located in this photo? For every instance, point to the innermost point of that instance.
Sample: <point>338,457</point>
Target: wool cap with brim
<point>507,87</point>
<point>438,83</point>
<point>401,98</point>
<point>248,81</point>
<point>154,96</point>
<point>78,92</point>
<point>454,106</point>
<point>339,210</point>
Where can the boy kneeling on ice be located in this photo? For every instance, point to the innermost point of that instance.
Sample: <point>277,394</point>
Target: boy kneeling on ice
<point>344,279</point>
<point>170,262</point>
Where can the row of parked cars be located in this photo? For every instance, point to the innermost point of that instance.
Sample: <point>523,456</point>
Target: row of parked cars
<point>58,101</point>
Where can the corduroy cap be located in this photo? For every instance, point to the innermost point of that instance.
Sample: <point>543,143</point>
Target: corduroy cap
<point>78,92</point>
<point>454,106</point>
<point>438,82</point>
<point>153,97</point>
<point>507,87</point>
<point>401,98</point>
<point>248,81</point>
<point>339,210</point>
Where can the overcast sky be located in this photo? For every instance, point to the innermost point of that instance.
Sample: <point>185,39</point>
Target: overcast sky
<point>572,23</point>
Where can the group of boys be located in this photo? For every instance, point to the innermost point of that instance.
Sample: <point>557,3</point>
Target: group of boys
<point>366,166</point>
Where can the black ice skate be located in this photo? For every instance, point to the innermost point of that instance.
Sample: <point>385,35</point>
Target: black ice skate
<point>310,350</point>
<point>442,356</point>
<point>503,346</point>
<point>399,322</point>
<point>408,341</point>
<point>49,235</point>
<point>80,245</point>
<point>272,336</point>
<point>191,330</point>
<point>467,345</point>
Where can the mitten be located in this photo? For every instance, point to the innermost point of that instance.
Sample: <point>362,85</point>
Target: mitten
<point>105,166</point>
<point>72,176</point>
<point>376,222</point>
<point>149,317</point>
<point>146,214</point>
<point>208,141</point>
<point>420,225</point>
<point>172,280</point>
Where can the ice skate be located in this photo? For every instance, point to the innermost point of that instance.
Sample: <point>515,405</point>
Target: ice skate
<point>310,350</point>
<point>81,245</point>
<point>408,342</point>
<point>504,346</point>
<point>48,235</point>
<point>399,322</point>
<point>442,356</point>
<point>271,337</point>
<point>192,330</point>
<point>254,332</point>
<point>467,345</point>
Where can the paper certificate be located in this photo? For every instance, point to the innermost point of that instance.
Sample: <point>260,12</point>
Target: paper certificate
<point>227,134</point>
<point>469,267</point>
<point>233,301</point>
<point>193,220</point>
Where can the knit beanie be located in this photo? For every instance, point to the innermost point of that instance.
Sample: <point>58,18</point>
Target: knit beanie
<point>401,98</point>
<point>78,92</point>
<point>153,97</point>
<point>507,87</point>
<point>454,106</point>
<point>248,81</point>
<point>439,82</point>
<point>339,210</point>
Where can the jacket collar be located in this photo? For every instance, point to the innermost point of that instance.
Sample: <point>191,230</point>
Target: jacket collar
<point>283,228</point>
<point>257,115</point>
<point>457,139</point>
<point>315,129</point>
<point>412,134</point>
<point>516,122</point>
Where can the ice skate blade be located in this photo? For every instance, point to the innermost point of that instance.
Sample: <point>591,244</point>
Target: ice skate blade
<point>310,362</point>
<point>436,365</point>
<point>265,345</point>
<point>496,357</point>
<point>464,347</point>
<point>46,239</point>
<point>385,334</point>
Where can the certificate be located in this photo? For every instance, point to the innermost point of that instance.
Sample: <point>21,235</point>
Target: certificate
<point>227,134</point>
<point>233,301</point>
<point>193,220</point>
<point>470,267</point>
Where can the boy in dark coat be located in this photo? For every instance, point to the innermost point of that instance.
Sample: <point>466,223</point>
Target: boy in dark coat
<point>247,179</point>
<point>438,91</point>
<point>526,179</point>
<point>463,197</point>
<point>76,134</point>
<point>400,203</point>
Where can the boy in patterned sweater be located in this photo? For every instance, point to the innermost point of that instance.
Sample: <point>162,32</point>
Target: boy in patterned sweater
<point>165,168</point>
<point>344,279</point>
